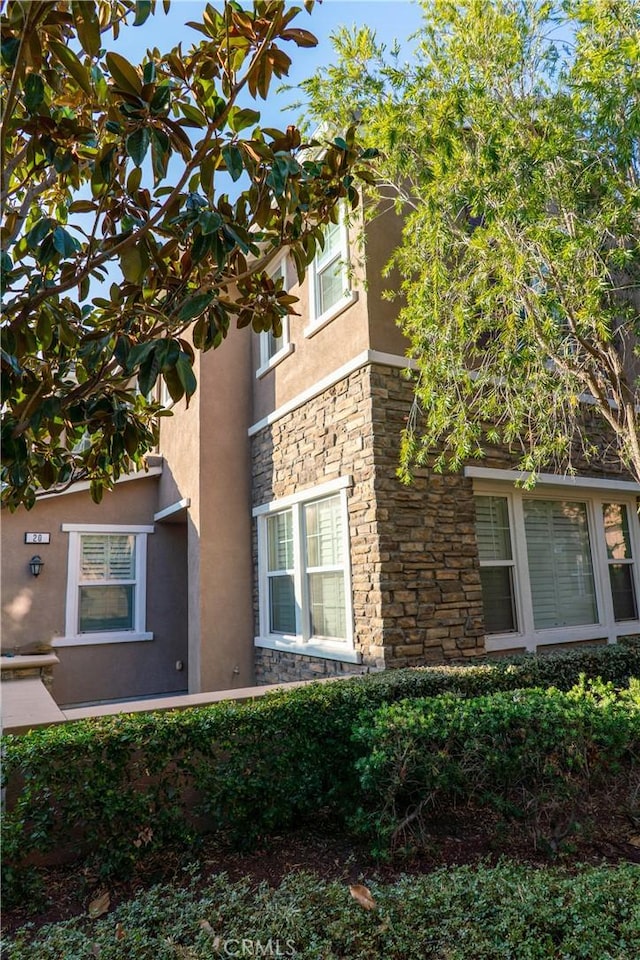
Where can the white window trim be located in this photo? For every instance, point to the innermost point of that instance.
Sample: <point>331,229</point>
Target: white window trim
<point>267,363</point>
<point>72,637</point>
<point>318,321</point>
<point>301,642</point>
<point>594,495</point>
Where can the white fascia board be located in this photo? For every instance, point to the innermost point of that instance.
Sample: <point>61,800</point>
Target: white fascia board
<point>366,358</point>
<point>106,528</point>
<point>564,480</point>
<point>85,484</point>
<point>176,507</point>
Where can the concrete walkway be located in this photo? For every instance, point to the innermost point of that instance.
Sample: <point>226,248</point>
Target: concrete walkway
<point>26,704</point>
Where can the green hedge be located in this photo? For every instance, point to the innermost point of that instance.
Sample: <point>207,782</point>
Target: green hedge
<point>531,754</point>
<point>121,787</point>
<point>463,913</point>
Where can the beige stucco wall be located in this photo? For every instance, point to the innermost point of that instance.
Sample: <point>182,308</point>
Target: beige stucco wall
<point>33,610</point>
<point>369,323</point>
<point>384,233</point>
<point>318,355</point>
<point>225,516</point>
<point>205,449</point>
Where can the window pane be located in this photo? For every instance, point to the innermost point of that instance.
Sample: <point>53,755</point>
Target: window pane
<point>497,599</point>
<point>616,531</point>
<point>492,528</point>
<point>282,605</point>
<point>106,608</point>
<point>323,523</point>
<point>327,608</point>
<point>331,286</point>
<point>332,234</point>
<point>280,540</point>
<point>107,557</point>
<point>622,591</point>
<point>560,568</point>
<point>274,344</point>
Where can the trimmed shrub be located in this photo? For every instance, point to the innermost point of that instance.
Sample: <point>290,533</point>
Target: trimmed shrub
<point>463,913</point>
<point>122,787</point>
<point>530,754</point>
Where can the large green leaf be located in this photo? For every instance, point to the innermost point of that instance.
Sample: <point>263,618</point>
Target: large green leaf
<point>124,74</point>
<point>70,61</point>
<point>85,16</point>
<point>143,9</point>
<point>133,264</point>
<point>233,160</point>
<point>137,144</point>
<point>186,375</point>
<point>240,119</point>
<point>194,306</point>
<point>33,92</point>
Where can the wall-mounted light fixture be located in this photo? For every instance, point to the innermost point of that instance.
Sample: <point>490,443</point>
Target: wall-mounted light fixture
<point>35,565</point>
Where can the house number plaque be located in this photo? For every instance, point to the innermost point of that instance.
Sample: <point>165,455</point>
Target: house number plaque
<point>37,538</point>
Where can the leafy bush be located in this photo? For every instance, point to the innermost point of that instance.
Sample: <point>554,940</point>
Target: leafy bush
<point>533,754</point>
<point>464,913</point>
<point>121,787</point>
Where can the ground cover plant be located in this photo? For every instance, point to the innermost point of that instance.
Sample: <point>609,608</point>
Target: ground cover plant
<point>116,791</point>
<point>461,914</point>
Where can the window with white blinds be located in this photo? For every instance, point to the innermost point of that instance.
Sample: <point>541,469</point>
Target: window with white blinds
<point>282,601</point>
<point>560,569</point>
<point>305,577</point>
<point>496,564</point>
<point>325,568</point>
<point>620,561</point>
<point>556,567</point>
<point>107,580</point>
<point>106,584</point>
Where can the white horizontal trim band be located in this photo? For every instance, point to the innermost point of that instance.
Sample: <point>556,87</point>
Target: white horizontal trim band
<point>311,493</point>
<point>173,508</point>
<point>363,359</point>
<point>85,484</point>
<point>347,655</point>
<point>105,528</point>
<point>277,358</point>
<point>520,476</point>
<point>93,639</point>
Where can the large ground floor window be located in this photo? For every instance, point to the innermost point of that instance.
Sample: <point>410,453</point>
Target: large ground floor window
<point>304,572</point>
<point>557,564</point>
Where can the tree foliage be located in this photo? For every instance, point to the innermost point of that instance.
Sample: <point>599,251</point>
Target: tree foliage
<point>510,144</point>
<point>140,207</point>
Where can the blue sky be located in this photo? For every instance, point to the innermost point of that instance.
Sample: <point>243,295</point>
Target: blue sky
<point>391,19</point>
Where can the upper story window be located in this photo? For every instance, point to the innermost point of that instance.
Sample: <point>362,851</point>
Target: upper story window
<point>106,584</point>
<point>329,283</point>
<point>274,348</point>
<point>555,568</point>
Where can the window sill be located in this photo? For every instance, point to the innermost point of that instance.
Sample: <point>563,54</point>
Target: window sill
<point>319,322</point>
<point>540,638</point>
<point>275,360</point>
<point>93,639</point>
<point>323,651</point>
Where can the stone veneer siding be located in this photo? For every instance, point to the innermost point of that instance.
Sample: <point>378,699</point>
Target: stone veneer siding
<point>431,594</point>
<point>415,572</point>
<point>329,437</point>
<point>414,566</point>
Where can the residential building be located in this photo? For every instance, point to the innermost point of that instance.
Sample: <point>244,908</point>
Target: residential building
<point>271,539</point>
